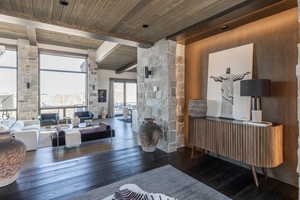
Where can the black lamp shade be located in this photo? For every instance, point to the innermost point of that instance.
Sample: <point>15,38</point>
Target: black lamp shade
<point>255,88</point>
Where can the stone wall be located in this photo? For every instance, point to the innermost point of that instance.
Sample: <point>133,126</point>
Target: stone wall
<point>180,94</point>
<point>92,95</point>
<point>28,81</point>
<point>157,94</point>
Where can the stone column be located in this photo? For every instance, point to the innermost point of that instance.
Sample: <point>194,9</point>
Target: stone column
<point>157,94</point>
<point>92,96</point>
<point>180,95</point>
<point>28,81</point>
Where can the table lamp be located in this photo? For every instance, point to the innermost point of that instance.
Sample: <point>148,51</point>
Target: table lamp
<point>256,89</point>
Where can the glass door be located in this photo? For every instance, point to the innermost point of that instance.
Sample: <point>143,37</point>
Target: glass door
<point>131,95</point>
<point>125,95</point>
<point>119,101</point>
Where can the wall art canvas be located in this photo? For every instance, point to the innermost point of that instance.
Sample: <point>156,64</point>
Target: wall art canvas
<point>102,96</point>
<point>225,71</point>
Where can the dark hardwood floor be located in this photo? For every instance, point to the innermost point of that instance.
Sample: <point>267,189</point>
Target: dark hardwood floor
<point>60,180</point>
<point>124,138</point>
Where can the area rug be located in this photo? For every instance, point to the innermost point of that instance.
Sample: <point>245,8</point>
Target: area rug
<point>166,180</point>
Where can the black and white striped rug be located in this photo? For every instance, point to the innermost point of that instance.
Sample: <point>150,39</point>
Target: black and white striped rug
<point>166,180</point>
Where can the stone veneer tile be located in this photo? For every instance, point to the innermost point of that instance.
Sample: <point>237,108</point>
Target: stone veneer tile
<point>161,104</point>
<point>28,72</point>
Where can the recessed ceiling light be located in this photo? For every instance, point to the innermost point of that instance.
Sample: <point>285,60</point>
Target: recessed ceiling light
<point>63,2</point>
<point>224,27</point>
<point>145,26</point>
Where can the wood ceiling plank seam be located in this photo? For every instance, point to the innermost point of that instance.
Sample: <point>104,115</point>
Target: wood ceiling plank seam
<point>67,12</point>
<point>50,9</point>
<point>56,12</point>
<point>81,9</point>
<point>112,19</point>
<point>149,17</point>
<point>225,16</point>
<point>93,12</point>
<point>94,33</point>
<point>140,6</point>
<point>214,8</point>
<point>113,13</point>
<point>29,7</point>
<point>256,15</point>
<point>98,13</point>
<point>15,6</point>
<point>173,16</point>
<point>45,11</point>
<point>5,4</point>
<point>228,15</point>
<point>151,11</point>
<point>207,12</point>
<point>38,4</point>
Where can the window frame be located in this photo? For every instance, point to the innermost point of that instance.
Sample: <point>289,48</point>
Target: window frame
<point>16,68</point>
<point>62,54</point>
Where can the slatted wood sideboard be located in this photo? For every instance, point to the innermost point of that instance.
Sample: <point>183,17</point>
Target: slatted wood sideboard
<point>255,145</point>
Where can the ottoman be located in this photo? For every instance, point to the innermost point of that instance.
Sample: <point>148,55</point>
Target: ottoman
<point>72,137</point>
<point>45,138</point>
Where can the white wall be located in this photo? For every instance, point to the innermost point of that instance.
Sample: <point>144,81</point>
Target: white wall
<point>103,81</point>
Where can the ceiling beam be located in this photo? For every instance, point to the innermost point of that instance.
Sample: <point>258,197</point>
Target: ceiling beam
<point>105,49</point>
<point>66,29</point>
<point>48,47</point>
<point>7,41</point>
<point>55,48</point>
<point>125,68</point>
<point>239,15</point>
<point>31,34</point>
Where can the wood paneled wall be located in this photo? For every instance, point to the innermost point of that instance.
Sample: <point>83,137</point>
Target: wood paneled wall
<point>275,57</point>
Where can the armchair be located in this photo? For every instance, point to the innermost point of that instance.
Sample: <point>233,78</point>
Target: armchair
<point>49,119</point>
<point>84,115</point>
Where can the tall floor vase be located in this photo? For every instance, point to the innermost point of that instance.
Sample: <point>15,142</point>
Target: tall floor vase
<point>12,156</point>
<point>149,135</point>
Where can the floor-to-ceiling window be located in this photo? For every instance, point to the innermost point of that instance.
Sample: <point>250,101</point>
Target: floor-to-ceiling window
<point>62,84</point>
<point>8,83</point>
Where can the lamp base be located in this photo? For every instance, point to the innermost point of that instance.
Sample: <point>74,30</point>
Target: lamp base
<point>256,115</point>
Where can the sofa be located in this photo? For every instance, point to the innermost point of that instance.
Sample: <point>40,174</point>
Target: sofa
<point>84,115</point>
<point>27,131</point>
<point>47,119</point>
<point>87,134</point>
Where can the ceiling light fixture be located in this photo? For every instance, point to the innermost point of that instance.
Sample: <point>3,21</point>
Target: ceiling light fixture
<point>63,2</point>
<point>224,27</point>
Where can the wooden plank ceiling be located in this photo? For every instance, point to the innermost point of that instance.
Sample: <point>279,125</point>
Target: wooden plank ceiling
<point>120,57</point>
<point>120,17</point>
<point>125,19</point>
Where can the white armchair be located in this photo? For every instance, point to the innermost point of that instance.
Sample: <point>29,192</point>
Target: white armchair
<point>28,132</point>
<point>28,137</point>
<point>31,123</point>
